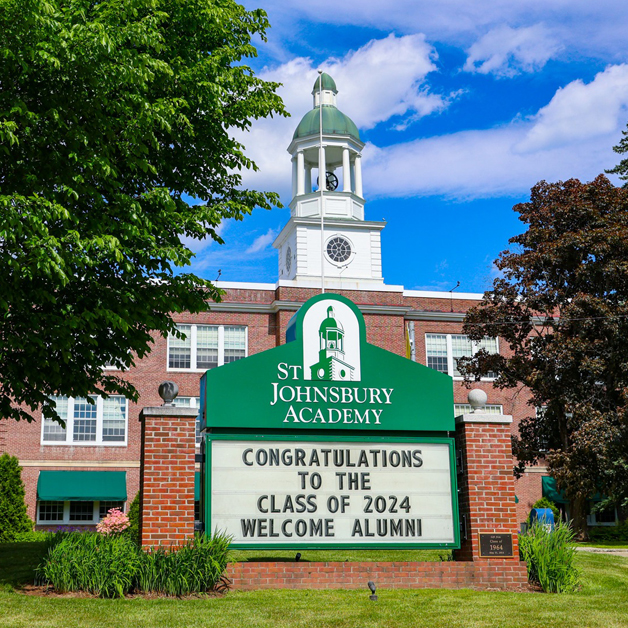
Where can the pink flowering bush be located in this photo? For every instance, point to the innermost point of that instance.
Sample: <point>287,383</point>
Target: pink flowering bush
<point>114,523</point>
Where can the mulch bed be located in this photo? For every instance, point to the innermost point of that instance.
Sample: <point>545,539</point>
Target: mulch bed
<point>50,592</point>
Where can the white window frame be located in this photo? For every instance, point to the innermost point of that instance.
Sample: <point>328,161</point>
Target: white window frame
<point>450,353</point>
<point>491,407</point>
<point>592,520</point>
<point>66,514</point>
<point>194,402</point>
<point>69,428</point>
<point>193,344</point>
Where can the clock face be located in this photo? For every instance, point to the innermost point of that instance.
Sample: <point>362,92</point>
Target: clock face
<point>288,260</point>
<point>339,249</point>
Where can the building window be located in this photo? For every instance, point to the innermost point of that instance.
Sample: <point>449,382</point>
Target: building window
<point>191,402</point>
<point>50,511</point>
<point>81,511</point>
<point>205,347</point>
<point>102,423</point>
<point>465,408</point>
<point>75,512</point>
<point>606,517</point>
<point>105,507</point>
<point>444,350</point>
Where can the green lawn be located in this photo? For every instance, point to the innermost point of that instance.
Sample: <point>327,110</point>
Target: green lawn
<point>602,602</point>
<point>606,544</point>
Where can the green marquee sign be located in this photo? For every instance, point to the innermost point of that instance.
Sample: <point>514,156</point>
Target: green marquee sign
<point>329,441</point>
<point>327,377</point>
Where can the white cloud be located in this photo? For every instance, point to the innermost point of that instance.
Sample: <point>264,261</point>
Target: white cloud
<point>585,27</point>
<point>262,242</point>
<point>580,111</point>
<point>572,136</point>
<point>382,80</point>
<point>477,164</point>
<point>385,78</point>
<point>506,51</point>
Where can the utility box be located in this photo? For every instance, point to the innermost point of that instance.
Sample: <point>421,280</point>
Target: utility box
<point>543,516</point>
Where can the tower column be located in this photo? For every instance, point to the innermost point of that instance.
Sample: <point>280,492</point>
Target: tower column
<point>322,169</point>
<point>308,179</point>
<point>294,177</point>
<point>300,173</point>
<point>358,175</point>
<point>346,170</point>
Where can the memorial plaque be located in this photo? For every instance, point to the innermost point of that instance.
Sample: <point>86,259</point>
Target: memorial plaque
<point>498,545</point>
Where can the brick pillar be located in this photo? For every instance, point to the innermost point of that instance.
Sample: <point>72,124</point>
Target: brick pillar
<point>167,475</point>
<point>486,483</point>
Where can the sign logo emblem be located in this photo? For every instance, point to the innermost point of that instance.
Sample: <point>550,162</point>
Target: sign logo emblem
<point>331,343</point>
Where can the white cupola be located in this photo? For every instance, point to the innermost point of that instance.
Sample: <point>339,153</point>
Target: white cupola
<point>351,247</point>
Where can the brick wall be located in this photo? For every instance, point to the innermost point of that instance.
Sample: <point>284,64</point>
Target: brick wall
<point>495,574</point>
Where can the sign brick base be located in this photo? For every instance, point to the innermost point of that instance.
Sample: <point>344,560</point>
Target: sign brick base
<point>495,574</point>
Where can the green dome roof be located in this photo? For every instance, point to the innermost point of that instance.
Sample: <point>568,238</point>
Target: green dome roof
<point>334,123</point>
<point>330,322</point>
<point>328,83</point>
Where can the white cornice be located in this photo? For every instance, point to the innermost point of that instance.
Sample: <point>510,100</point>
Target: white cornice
<point>432,294</point>
<point>420,315</point>
<point>244,285</point>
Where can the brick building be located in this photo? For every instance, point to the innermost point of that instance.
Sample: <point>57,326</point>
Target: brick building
<point>73,475</point>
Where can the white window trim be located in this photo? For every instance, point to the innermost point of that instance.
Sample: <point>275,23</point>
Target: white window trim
<point>69,429</point>
<point>196,402</point>
<point>450,354</point>
<point>193,340</point>
<point>66,515</point>
<point>491,405</point>
<point>592,520</point>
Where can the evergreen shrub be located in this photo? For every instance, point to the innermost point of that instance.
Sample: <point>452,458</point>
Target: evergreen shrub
<point>134,519</point>
<point>609,533</point>
<point>14,519</point>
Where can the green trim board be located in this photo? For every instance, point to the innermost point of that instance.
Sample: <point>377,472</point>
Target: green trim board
<point>197,486</point>
<point>81,486</point>
<point>263,492</point>
<point>327,377</point>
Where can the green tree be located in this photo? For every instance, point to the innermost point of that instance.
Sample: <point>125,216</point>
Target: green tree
<point>621,168</point>
<point>561,307</point>
<point>13,517</point>
<point>117,145</point>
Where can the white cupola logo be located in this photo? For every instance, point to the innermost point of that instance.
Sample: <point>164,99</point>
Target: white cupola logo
<point>331,349</point>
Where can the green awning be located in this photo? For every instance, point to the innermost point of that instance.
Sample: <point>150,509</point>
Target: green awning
<point>550,490</point>
<point>81,486</point>
<point>197,486</point>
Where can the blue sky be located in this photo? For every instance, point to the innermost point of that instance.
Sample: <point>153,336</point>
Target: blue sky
<point>463,107</point>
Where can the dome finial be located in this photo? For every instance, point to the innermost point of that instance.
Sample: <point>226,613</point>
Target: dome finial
<point>327,84</point>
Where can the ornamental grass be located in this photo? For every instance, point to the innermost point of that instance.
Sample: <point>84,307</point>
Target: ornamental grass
<point>191,568</point>
<point>112,566</point>
<point>550,555</point>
